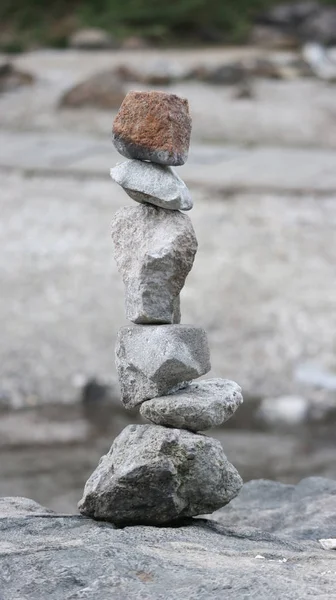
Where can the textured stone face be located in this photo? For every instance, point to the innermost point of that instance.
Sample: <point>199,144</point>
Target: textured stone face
<point>151,360</point>
<point>199,406</point>
<point>153,183</point>
<point>154,252</point>
<point>155,475</point>
<point>153,126</point>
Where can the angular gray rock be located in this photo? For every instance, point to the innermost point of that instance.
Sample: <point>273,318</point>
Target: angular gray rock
<point>154,252</point>
<point>72,557</point>
<point>152,360</point>
<point>199,406</point>
<point>149,182</point>
<point>154,475</point>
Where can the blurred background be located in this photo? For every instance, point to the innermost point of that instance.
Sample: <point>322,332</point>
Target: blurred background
<point>260,78</point>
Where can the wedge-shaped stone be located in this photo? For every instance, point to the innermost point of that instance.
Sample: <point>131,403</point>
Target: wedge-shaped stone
<point>152,360</point>
<point>153,126</point>
<point>154,475</point>
<point>153,183</point>
<point>154,252</point>
<point>199,406</point>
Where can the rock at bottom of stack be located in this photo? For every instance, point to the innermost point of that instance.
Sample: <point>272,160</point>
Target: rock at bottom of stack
<point>156,475</point>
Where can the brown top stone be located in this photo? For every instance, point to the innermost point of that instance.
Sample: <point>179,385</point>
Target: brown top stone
<point>153,126</point>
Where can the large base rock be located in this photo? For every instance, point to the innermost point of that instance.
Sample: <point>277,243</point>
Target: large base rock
<point>155,475</point>
<point>152,360</point>
<point>154,251</point>
<point>199,406</point>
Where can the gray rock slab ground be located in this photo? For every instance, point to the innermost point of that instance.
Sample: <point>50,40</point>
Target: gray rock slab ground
<point>156,475</point>
<point>154,250</point>
<point>255,551</point>
<point>151,360</point>
<point>153,183</point>
<point>199,406</point>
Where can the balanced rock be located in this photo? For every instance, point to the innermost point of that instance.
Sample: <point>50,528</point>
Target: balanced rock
<point>153,126</point>
<point>199,406</point>
<point>155,475</point>
<point>154,252</point>
<point>152,360</point>
<point>153,183</point>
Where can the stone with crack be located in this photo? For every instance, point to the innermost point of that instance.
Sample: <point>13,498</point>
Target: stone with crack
<point>152,183</point>
<point>153,126</point>
<point>153,360</point>
<point>199,406</point>
<point>154,475</point>
<point>154,252</point>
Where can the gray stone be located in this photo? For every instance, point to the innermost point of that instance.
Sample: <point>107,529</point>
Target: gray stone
<point>154,475</point>
<point>154,252</point>
<point>72,557</point>
<point>152,360</point>
<point>199,406</point>
<point>153,183</point>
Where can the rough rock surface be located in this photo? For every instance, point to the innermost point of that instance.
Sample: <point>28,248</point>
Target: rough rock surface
<point>71,557</point>
<point>154,475</point>
<point>199,406</point>
<point>102,90</point>
<point>153,126</point>
<point>154,250</point>
<point>152,360</point>
<point>153,183</point>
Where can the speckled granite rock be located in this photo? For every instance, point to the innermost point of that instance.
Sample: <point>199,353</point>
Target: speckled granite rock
<point>152,360</point>
<point>152,183</point>
<point>199,406</point>
<point>153,126</point>
<point>154,475</point>
<point>154,250</point>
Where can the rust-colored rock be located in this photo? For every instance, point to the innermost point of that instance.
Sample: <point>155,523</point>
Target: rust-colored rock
<point>153,126</point>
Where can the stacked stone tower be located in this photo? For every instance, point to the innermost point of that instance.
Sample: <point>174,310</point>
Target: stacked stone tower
<point>166,470</point>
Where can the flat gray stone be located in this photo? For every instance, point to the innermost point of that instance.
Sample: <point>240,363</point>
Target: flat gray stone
<point>199,406</point>
<point>153,183</point>
<point>152,360</point>
<point>154,475</point>
<point>154,251</point>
